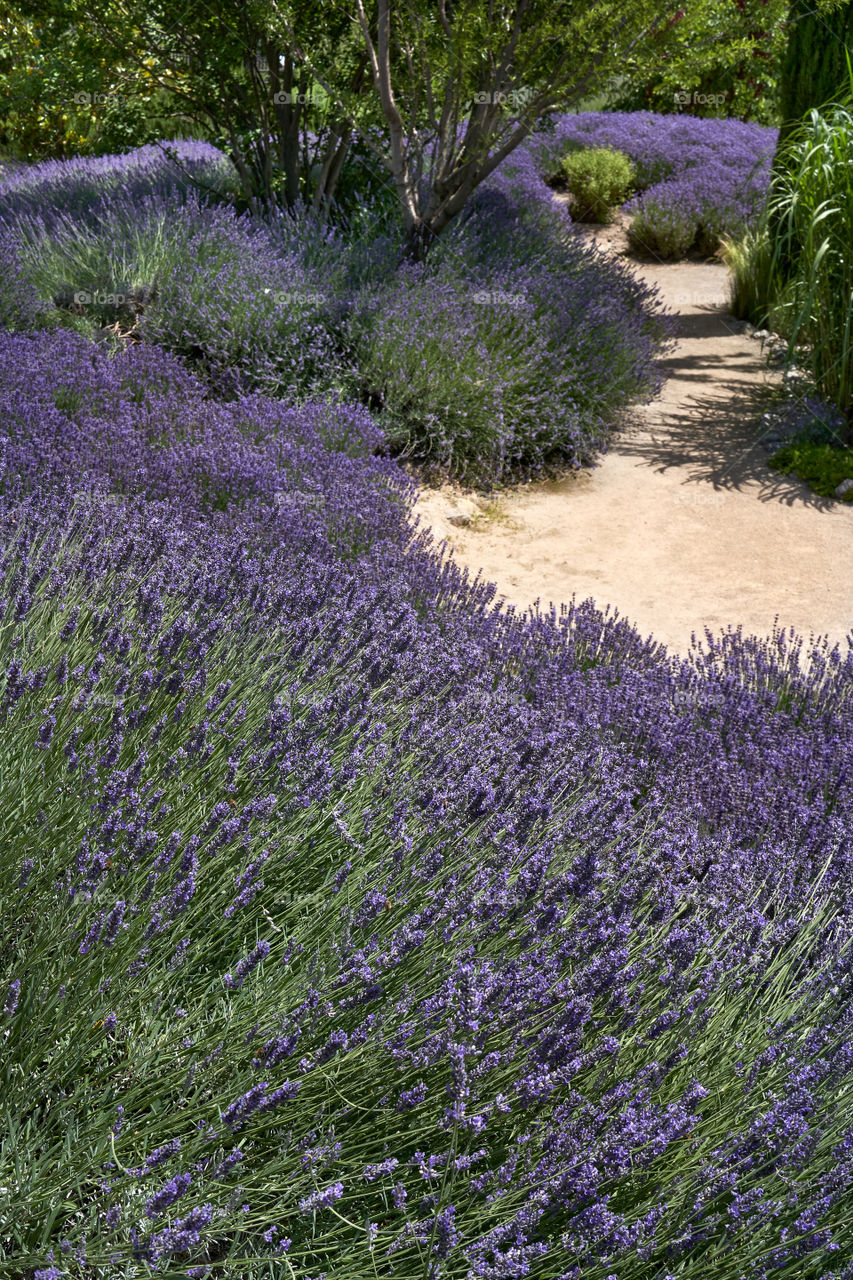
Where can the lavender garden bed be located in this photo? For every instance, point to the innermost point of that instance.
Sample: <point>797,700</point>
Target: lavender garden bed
<point>360,927</point>
<point>697,179</point>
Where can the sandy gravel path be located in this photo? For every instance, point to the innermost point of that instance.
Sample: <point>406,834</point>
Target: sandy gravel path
<point>682,526</point>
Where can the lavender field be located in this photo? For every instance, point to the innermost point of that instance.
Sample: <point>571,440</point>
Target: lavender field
<point>364,927</point>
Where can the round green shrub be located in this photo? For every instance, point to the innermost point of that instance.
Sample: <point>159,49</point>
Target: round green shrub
<point>599,179</point>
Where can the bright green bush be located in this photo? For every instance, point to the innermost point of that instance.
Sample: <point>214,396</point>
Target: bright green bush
<point>822,466</point>
<point>599,179</point>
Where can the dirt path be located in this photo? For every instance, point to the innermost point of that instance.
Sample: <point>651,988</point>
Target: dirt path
<point>682,526</point>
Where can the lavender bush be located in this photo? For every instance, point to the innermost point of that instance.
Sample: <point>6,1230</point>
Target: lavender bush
<point>360,923</point>
<point>511,346</point>
<point>252,313</point>
<point>55,189</point>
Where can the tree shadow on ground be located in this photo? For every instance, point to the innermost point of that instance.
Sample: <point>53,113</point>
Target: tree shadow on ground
<point>717,438</point>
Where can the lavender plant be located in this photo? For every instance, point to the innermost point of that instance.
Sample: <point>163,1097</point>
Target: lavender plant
<point>511,347</point>
<point>360,924</point>
<point>79,187</point>
<point>252,313</point>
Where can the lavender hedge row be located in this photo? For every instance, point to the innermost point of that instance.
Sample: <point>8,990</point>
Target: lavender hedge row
<point>84,185</point>
<point>489,360</point>
<point>364,928</point>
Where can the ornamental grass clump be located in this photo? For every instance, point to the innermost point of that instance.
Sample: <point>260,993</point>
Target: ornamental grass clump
<point>811,217</point>
<point>599,179</point>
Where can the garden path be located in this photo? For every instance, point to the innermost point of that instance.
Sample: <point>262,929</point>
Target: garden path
<point>682,526</point>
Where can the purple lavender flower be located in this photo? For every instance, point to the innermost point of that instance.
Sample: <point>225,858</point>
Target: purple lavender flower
<point>168,1194</point>
<point>321,1199</point>
<point>245,966</point>
<point>12,997</point>
<point>227,1165</point>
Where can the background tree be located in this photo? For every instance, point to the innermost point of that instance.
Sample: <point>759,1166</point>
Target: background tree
<point>720,58</point>
<point>224,75</point>
<point>814,67</point>
<point>62,94</point>
<point>460,85</point>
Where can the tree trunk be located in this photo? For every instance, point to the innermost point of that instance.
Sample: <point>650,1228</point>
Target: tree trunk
<point>419,237</point>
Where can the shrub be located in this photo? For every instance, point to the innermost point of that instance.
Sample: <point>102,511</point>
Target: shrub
<point>256,311</point>
<point>694,211</point>
<point>599,179</point>
<point>62,189</point>
<point>20,304</point>
<point>493,374</point>
<point>138,423</point>
<point>665,222</point>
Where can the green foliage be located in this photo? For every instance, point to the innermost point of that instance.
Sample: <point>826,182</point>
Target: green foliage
<point>811,275</point>
<point>708,58</point>
<point>822,466</point>
<point>662,228</point>
<point>599,179</point>
<point>814,67</point>
<point>67,92</point>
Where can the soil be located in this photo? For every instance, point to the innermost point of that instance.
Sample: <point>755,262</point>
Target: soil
<point>682,527</point>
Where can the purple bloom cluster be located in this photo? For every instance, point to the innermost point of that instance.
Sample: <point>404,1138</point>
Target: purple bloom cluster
<point>168,1194</point>
<point>140,424</point>
<point>321,1199</point>
<point>12,997</point>
<point>82,186</point>
<point>246,965</point>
